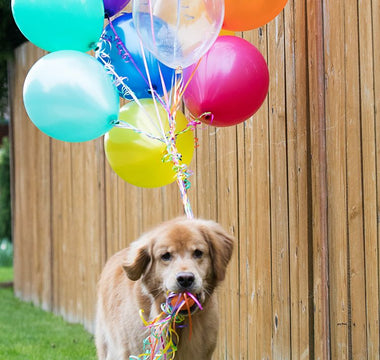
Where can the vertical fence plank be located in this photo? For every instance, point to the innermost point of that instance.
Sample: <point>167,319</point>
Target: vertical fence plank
<point>132,212</point>
<point>366,51</point>
<point>62,226</point>
<point>80,229</point>
<point>172,201</point>
<point>20,136</point>
<point>41,220</point>
<point>336,176</point>
<point>152,208</point>
<point>375,346</point>
<point>357,311</point>
<point>88,193</point>
<point>227,196</point>
<point>278,189</point>
<point>244,239</point>
<point>297,144</point>
<point>115,212</point>
<point>192,191</point>
<point>321,338</point>
<point>32,205</point>
<point>257,220</point>
<point>205,173</point>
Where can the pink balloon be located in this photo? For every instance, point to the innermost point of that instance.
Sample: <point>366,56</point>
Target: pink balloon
<point>231,82</point>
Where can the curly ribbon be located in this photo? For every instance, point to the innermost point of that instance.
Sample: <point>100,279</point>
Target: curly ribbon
<point>126,56</point>
<point>170,103</point>
<point>162,342</point>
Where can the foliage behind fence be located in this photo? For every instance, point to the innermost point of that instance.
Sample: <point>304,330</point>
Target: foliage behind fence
<point>5,191</point>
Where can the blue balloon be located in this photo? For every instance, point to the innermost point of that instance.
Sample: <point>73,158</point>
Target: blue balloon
<point>110,51</point>
<point>69,96</point>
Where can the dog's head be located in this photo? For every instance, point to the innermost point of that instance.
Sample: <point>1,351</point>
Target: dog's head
<point>180,255</point>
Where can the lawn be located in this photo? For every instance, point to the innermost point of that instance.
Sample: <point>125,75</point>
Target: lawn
<point>6,274</point>
<point>29,333</point>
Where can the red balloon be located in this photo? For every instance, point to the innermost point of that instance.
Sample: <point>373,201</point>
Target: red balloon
<point>231,82</point>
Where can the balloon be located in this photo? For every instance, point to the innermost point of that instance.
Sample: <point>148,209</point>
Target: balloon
<point>231,82</point>
<point>111,7</point>
<point>244,15</point>
<point>109,51</point>
<point>60,25</point>
<point>137,158</point>
<point>178,32</point>
<point>70,97</point>
<point>226,32</point>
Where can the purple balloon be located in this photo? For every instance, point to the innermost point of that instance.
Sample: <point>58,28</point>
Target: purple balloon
<point>111,7</point>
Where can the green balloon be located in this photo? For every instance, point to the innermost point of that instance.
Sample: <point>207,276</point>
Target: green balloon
<point>60,25</point>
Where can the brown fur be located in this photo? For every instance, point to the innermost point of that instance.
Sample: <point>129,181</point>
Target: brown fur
<point>139,278</point>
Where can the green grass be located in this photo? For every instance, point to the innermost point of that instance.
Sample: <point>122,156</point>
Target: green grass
<point>6,275</point>
<point>29,333</point>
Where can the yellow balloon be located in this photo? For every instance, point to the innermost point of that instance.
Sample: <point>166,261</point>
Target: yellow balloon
<point>226,32</point>
<point>137,158</point>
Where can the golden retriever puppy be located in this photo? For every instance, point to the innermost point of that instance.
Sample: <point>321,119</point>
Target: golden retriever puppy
<point>177,256</point>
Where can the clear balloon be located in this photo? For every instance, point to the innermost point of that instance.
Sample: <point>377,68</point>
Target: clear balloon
<point>60,25</point>
<point>178,32</point>
<point>70,97</point>
<point>112,7</point>
<point>137,158</point>
<point>231,83</point>
<point>133,72</point>
<point>244,15</point>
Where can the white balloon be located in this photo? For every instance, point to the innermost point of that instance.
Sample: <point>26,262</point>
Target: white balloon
<point>178,32</point>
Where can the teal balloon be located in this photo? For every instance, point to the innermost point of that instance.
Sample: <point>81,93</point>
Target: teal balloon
<point>60,25</point>
<point>69,96</point>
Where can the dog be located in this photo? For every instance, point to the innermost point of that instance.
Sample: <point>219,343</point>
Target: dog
<point>177,256</point>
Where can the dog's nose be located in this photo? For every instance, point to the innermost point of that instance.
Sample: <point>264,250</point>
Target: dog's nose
<point>185,279</point>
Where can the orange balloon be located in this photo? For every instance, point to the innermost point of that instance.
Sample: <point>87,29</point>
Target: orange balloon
<point>241,15</point>
<point>177,299</point>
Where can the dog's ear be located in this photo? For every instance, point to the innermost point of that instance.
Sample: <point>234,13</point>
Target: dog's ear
<point>138,258</point>
<point>221,246</point>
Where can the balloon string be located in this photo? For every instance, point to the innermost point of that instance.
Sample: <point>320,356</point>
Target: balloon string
<point>177,89</point>
<point>125,54</point>
<point>166,96</point>
<point>173,154</point>
<point>175,157</point>
<point>151,21</point>
<point>154,97</point>
<point>162,342</point>
<point>180,169</point>
<point>170,104</point>
<point>126,90</point>
<point>124,125</point>
<point>190,77</point>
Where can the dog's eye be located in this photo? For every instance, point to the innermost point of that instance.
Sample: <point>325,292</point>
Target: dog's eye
<point>166,257</point>
<point>198,254</point>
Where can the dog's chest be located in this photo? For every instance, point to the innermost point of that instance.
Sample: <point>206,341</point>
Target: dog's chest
<point>200,345</point>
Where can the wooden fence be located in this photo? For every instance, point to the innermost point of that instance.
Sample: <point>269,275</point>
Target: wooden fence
<point>298,185</point>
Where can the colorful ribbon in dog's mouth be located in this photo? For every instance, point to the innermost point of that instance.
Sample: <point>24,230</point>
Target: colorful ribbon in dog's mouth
<point>183,303</point>
<point>163,339</point>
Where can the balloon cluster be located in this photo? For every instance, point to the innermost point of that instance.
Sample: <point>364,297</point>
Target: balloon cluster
<point>164,52</point>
